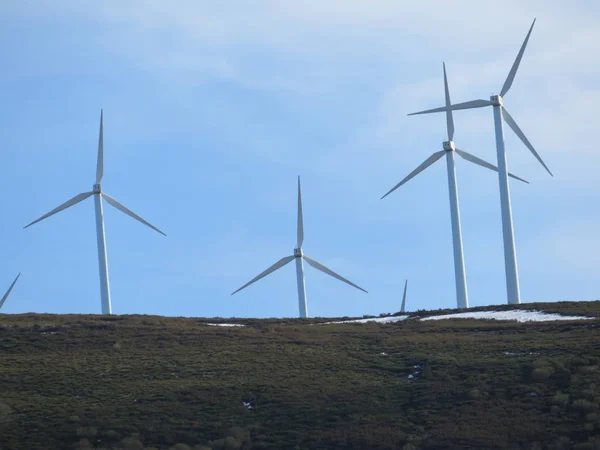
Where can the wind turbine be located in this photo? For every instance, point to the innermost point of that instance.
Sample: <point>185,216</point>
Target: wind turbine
<point>403,309</point>
<point>449,148</point>
<point>98,196</point>
<point>8,292</point>
<point>500,112</point>
<point>299,256</point>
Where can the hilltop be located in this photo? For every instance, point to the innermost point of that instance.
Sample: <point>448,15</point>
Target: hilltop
<point>139,382</point>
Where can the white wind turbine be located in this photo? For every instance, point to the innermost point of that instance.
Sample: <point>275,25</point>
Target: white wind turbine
<point>98,196</point>
<point>299,256</point>
<point>462,298</point>
<point>500,112</point>
<point>8,291</point>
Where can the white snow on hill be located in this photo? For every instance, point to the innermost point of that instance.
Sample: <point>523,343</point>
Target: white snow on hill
<point>373,319</point>
<point>518,315</point>
<point>225,324</point>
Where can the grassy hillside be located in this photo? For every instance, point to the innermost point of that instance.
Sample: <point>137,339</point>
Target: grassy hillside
<point>135,382</point>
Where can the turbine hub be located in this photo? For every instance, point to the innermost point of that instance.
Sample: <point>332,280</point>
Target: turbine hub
<point>496,100</point>
<point>448,146</point>
<point>97,189</point>
<point>298,252</point>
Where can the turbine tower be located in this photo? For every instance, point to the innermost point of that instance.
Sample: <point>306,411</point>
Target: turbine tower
<point>500,113</point>
<point>98,196</point>
<point>403,309</point>
<point>299,256</point>
<point>8,291</point>
<point>449,149</point>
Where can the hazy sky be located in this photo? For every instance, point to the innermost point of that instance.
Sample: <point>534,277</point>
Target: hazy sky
<point>212,109</point>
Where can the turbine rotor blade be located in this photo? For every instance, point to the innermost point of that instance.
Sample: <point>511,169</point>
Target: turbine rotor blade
<point>475,160</point>
<point>78,198</point>
<point>300,217</point>
<point>511,123</point>
<point>403,309</point>
<point>330,272</point>
<point>449,118</point>
<point>100,163</point>
<point>8,292</point>
<point>424,165</point>
<point>466,105</point>
<point>513,70</point>
<point>111,201</point>
<point>278,265</point>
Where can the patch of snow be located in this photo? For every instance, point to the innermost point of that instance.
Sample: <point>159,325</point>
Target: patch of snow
<point>518,315</point>
<point>416,373</point>
<point>248,405</point>
<point>225,324</point>
<point>373,319</point>
<point>523,353</point>
<point>383,354</point>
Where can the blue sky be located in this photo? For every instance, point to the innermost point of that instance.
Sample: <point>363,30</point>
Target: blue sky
<point>211,112</point>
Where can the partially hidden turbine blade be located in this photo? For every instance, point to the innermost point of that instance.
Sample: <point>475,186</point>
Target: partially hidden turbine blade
<point>100,163</point>
<point>278,265</point>
<point>466,105</point>
<point>330,272</point>
<point>424,165</point>
<point>513,70</point>
<point>403,309</point>
<point>78,198</point>
<point>511,123</point>
<point>8,292</point>
<point>475,160</point>
<point>300,218</point>
<point>111,201</point>
<point>449,119</point>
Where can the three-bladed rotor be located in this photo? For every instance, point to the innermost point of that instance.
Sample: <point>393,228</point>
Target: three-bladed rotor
<point>97,189</point>
<point>298,253</point>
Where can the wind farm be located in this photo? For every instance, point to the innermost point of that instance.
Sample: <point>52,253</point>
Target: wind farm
<point>210,115</point>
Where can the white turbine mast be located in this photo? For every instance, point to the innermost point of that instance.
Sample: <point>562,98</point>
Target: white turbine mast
<point>299,256</point>
<point>8,291</point>
<point>403,309</point>
<point>500,113</point>
<point>449,148</point>
<point>98,196</point>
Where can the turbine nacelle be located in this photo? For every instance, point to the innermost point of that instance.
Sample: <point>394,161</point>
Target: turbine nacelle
<point>449,146</point>
<point>298,253</point>
<point>496,100</point>
<point>97,189</point>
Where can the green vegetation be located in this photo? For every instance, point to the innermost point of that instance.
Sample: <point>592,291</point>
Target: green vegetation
<point>143,382</point>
